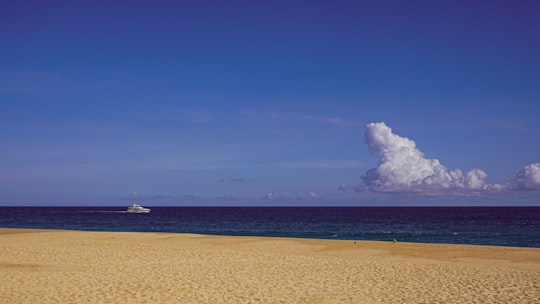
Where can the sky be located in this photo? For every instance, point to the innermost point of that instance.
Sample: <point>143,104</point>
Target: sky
<point>279,103</point>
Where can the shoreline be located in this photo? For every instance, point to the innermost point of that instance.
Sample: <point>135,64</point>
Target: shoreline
<point>30,230</point>
<point>48,266</point>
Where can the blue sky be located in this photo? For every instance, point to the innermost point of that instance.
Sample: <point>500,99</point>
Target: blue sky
<point>266,102</point>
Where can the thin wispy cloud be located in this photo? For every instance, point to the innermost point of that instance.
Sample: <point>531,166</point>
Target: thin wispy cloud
<point>265,116</point>
<point>338,121</point>
<point>269,116</point>
<point>516,124</point>
<point>193,116</point>
<point>58,82</point>
<point>236,180</point>
<point>186,115</point>
<point>335,164</point>
<point>32,81</point>
<point>495,123</point>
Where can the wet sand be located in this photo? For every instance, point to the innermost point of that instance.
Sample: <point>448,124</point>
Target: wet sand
<point>53,266</point>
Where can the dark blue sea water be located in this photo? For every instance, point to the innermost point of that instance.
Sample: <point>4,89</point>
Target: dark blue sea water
<point>503,226</point>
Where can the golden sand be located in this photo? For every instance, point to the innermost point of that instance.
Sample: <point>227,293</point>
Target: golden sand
<point>48,266</point>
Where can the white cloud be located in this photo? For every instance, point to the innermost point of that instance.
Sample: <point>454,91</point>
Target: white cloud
<point>528,178</point>
<point>402,167</point>
<point>312,195</point>
<point>271,196</point>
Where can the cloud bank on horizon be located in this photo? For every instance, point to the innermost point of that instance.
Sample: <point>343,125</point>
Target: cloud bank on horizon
<point>402,167</point>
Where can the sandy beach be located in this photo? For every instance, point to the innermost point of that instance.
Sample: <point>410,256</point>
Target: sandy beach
<point>49,266</point>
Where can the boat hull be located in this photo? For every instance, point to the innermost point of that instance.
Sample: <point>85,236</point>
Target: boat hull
<point>137,209</point>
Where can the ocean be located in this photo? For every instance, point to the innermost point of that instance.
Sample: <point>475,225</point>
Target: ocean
<point>501,226</point>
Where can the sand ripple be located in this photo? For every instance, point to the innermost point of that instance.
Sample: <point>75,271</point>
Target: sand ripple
<point>97,267</point>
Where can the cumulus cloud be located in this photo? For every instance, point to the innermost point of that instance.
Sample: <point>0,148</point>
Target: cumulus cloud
<point>528,178</point>
<point>271,196</point>
<point>402,167</point>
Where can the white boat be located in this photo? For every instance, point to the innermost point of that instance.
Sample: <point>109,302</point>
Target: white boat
<point>137,209</point>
